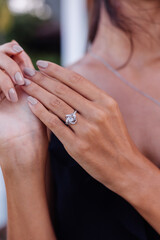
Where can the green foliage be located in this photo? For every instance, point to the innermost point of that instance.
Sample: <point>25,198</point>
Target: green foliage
<point>5,17</point>
<point>23,29</point>
<point>44,56</point>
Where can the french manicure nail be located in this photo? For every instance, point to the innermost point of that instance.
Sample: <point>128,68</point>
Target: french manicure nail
<point>27,82</point>
<point>13,95</point>
<point>19,79</point>
<point>17,48</point>
<point>32,100</point>
<point>29,71</point>
<point>42,64</point>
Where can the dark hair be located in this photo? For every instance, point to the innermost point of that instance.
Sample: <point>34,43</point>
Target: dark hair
<point>120,21</point>
<point>116,16</point>
<point>94,18</point>
<point>114,12</point>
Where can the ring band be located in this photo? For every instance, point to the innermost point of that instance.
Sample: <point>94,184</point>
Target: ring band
<point>71,119</point>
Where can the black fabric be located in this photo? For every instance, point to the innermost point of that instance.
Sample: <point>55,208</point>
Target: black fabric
<point>86,210</point>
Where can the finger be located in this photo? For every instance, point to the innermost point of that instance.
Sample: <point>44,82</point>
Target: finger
<point>68,95</point>
<point>7,87</point>
<point>23,60</point>
<point>11,48</point>
<point>2,96</point>
<point>12,69</point>
<point>62,132</point>
<point>53,103</point>
<point>72,79</point>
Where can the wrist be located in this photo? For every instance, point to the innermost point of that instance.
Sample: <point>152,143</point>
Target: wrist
<point>27,203</point>
<point>141,181</point>
<point>24,156</point>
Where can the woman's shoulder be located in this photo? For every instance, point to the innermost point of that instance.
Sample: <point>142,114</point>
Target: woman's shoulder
<point>92,70</point>
<point>85,67</point>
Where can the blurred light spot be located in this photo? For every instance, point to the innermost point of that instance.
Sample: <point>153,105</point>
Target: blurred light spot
<point>19,6</point>
<point>34,7</point>
<point>44,12</point>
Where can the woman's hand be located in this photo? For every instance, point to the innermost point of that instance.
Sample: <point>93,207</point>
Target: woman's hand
<point>22,135</point>
<point>21,132</point>
<point>12,60</point>
<point>23,153</point>
<point>99,141</point>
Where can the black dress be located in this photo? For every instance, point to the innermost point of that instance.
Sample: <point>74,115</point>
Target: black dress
<point>86,210</point>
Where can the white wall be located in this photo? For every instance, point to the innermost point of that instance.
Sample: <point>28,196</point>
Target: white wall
<point>74,30</point>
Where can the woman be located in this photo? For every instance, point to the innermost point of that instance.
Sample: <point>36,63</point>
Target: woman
<point>112,136</point>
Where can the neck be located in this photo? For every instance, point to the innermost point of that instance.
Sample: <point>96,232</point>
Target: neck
<point>114,44</point>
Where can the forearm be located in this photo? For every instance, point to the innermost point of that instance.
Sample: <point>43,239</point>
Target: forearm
<point>28,215</point>
<point>144,191</point>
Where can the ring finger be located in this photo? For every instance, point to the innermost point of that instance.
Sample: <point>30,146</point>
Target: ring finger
<point>68,95</point>
<point>53,103</point>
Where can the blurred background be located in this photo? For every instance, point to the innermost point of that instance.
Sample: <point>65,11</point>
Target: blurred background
<point>56,30</point>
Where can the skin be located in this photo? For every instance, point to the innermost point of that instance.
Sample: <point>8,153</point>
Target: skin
<point>127,160</point>
<point>99,118</point>
<point>23,161</point>
<point>13,59</point>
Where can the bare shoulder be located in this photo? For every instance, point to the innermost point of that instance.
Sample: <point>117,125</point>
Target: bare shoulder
<point>84,67</point>
<point>93,71</point>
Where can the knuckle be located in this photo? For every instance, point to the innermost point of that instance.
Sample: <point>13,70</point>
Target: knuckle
<point>112,104</point>
<point>60,89</point>
<point>100,116</point>
<point>81,147</point>
<point>76,78</point>
<point>54,102</point>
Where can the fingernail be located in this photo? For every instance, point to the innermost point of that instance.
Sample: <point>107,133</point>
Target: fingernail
<point>27,82</point>
<point>32,100</point>
<point>29,71</point>
<point>19,79</point>
<point>42,64</point>
<point>13,95</point>
<point>17,48</point>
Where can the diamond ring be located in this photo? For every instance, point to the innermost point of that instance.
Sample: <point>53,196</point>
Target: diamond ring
<point>71,119</point>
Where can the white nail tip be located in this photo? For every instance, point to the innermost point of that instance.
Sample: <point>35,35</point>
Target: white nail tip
<point>17,48</point>
<point>42,64</point>
<point>32,100</point>
<point>27,82</point>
